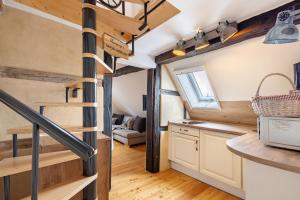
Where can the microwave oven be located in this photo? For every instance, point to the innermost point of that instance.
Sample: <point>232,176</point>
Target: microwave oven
<point>280,132</point>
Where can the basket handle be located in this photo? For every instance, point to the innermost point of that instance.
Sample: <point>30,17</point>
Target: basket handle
<point>274,74</point>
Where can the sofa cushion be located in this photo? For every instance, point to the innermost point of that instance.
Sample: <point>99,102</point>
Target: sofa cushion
<point>130,123</point>
<point>139,124</point>
<point>126,120</point>
<point>129,133</point>
<point>119,119</point>
<point>120,127</point>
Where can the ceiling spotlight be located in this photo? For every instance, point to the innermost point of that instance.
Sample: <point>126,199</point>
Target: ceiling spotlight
<point>179,49</point>
<point>284,31</point>
<point>226,30</point>
<point>201,40</point>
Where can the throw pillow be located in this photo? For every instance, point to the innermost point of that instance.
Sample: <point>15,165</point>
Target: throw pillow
<point>119,119</point>
<point>130,123</point>
<point>139,124</point>
<point>125,120</point>
<point>113,121</point>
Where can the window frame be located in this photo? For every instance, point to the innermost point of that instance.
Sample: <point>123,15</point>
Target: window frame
<point>182,92</point>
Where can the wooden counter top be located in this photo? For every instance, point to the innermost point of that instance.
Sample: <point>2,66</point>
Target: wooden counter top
<point>236,129</point>
<point>250,147</point>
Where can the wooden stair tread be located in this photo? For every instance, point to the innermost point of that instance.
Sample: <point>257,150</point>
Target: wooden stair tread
<point>10,166</point>
<point>65,190</point>
<point>102,68</point>
<point>69,104</point>
<point>77,84</point>
<point>117,21</point>
<point>72,129</point>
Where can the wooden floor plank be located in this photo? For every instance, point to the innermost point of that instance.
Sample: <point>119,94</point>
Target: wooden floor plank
<point>131,181</point>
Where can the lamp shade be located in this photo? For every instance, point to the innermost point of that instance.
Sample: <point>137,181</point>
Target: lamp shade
<point>179,50</point>
<point>284,30</point>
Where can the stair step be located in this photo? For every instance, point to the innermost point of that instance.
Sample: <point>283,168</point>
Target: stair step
<point>102,68</point>
<point>78,83</point>
<point>72,129</point>
<point>65,190</point>
<point>117,21</point>
<point>63,104</point>
<point>11,166</point>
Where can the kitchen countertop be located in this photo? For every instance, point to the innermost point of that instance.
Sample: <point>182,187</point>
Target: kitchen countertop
<point>235,129</point>
<point>250,147</point>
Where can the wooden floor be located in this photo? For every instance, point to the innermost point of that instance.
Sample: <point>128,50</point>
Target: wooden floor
<point>130,181</point>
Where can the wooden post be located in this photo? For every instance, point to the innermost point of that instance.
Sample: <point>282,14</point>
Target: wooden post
<point>89,44</point>
<point>107,107</point>
<point>153,120</point>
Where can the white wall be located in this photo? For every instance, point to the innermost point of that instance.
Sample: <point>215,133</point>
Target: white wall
<point>236,71</point>
<point>127,93</point>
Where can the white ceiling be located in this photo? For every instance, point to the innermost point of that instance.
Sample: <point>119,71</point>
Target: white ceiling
<point>194,14</point>
<point>199,13</point>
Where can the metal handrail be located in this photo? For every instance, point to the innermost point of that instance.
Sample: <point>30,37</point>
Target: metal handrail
<point>64,137</point>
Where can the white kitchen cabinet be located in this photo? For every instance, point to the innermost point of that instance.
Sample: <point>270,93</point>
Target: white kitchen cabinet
<point>217,161</point>
<point>185,150</point>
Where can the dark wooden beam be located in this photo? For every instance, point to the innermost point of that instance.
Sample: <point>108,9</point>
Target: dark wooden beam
<point>253,27</point>
<point>36,75</point>
<point>107,107</point>
<point>153,120</point>
<point>127,70</point>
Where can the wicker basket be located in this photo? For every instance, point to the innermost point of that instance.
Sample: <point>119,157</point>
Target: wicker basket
<point>278,105</point>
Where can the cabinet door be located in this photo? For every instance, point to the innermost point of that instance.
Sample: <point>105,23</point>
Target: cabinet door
<point>185,150</point>
<point>217,161</point>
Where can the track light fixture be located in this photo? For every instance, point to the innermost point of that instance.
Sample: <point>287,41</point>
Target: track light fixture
<point>179,49</point>
<point>201,40</point>
<point>284,31</point>
<point>226,30</point>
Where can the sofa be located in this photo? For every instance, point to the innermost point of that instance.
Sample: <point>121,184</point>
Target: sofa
<point>128,129</point>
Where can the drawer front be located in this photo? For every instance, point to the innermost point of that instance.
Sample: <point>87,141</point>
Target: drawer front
<point>185,130</point>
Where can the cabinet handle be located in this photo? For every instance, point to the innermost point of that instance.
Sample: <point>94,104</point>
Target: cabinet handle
<point>185,130</point>
<point>196,143</point>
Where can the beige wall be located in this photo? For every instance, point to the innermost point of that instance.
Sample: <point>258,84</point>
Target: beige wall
<point>171,109</point>
<point>32,42</point>
<point>236,71</point>
<point>127,93</point>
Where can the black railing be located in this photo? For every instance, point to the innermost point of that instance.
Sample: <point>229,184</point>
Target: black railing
<point>82,149</point>
<point>77,146</point>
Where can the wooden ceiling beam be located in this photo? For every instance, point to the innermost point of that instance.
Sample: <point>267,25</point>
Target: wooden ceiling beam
<point>253,27</point>
<point>36,75</point>
<point>126,70</point>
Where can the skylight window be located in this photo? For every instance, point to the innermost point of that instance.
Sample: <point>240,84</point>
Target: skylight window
<point>197,89</point>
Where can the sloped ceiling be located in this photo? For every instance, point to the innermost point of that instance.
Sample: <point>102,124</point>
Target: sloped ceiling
<point>194,14</point>
<point>200,13</point>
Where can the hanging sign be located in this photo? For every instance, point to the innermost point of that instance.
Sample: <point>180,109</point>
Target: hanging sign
<point>115,47</point>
